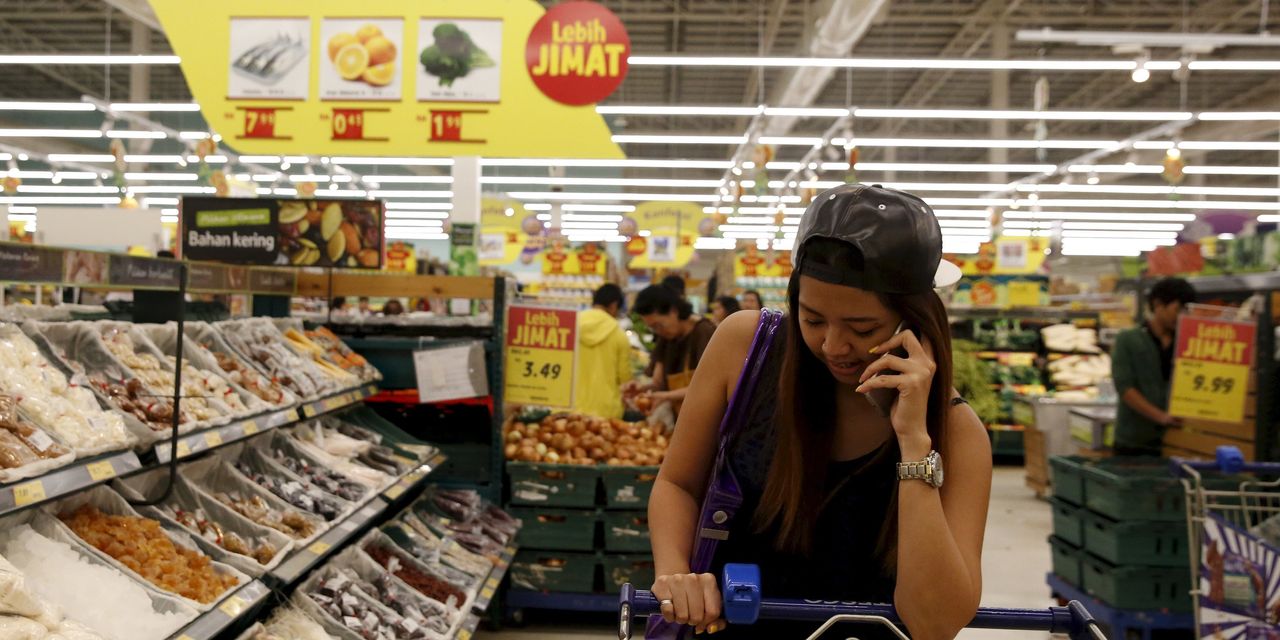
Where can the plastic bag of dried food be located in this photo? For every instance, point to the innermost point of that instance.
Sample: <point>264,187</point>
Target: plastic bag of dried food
<point>236,369</point>
<point>215,478</point>
<point>262,345</point>
<point>290,487</point>
<point>220,531</point>
<point>204,399</point>
<point>352,578</point>
<point>66,409</point>
<point>213,378</point>
<point>289,623</point>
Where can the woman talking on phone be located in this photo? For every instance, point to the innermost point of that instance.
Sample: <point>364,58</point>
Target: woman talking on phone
<point>816,449</point>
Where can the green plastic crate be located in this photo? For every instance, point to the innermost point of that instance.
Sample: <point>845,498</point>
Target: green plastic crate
<point>556,529</point>
<point>563,571</point>
<point>626,531</point>
<point>1067,474</point>
<point>1067,560</point>
<point>620,569</point>
<point>1138,588</point>
<point>1134,542</point>
<point>628,487</point>
<point>553,485</point>
<point>1132,489</point>
<point>1068,521</point>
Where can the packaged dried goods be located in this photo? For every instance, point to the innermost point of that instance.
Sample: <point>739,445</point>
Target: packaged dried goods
<point>67,410</point>
<point>152,408</point>
<point>286,521</point>
<point>328,480</point>
<point>198,522</point>
<point>259,342</point>
<point>293,490</point>
<point>308,441</point>
<point>206,339</point>
<point>288,623</point>
<point>404,567</point>
<point>199,401</point>
<point>142,545</point>
<point>343,589</point>
<point>326,349</point>
<point>215,478</point>
<point>87,590</point>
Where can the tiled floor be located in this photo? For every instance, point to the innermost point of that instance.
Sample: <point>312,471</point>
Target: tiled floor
<point>1015,560</point>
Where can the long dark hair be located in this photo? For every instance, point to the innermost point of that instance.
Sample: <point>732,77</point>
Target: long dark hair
<point>796,488</point>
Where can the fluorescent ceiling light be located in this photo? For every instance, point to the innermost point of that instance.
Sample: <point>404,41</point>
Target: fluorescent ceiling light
<point>171,189</point>
<point>885,63</point>
<point>1196,205</point>
<point>408,179</point>
<point>88,59</point>
<point>259,159</point>
<point>981,143</point>
<point>959,224</point>
<point>982,233</point>
<point>1234,65</point>
<point>714,244</point>
<point>1124,226</point>
<point>1231,171</point>
<point>1014,114</point>
<point>419,206</point>
<point>15,105</point>
<point>962,213</point>
<point>1144,235</point>
<point>1116,168</point>
<point>389,193</point>
<point>147,202</point>
<point>679,139</point>
<point>601,208</point>
<point>153,107</point>
<point>568,224</point>
<point>1208,145</point>
<point>1098,215</point>
<point>195,135</point>
<point>942,167</point>
<point>416,215</point>
<point>133,134</point>
<point>674,110</point>
<point>80,157</point>
<point>22,210</point>
<point>60,200</point>
<point>34,188</point>
<point>161,176</point>
<point>361,161</point>
<point>50,133</point>
<point>620,164</point>
<point>1240,115</point>
<point>419,222</point>
<point>601,182</point>
<point>579,217</point>
<point>621,197</point>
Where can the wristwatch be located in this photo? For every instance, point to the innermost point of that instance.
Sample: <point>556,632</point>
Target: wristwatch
<point>929,470</point>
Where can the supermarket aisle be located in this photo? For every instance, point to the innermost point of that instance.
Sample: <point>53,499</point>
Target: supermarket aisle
<point>1015,561</point>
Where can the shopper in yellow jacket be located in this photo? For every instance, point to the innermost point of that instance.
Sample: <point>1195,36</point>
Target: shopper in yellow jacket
<point>604,356</point>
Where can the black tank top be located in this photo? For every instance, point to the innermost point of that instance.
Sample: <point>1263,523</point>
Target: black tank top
<point>843,564</point>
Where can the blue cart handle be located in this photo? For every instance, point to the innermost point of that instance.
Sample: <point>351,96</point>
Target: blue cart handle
<point>1228,460</point>
<point>743,605</point>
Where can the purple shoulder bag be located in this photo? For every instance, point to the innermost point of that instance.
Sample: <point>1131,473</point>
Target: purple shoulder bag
<point>723,497</point>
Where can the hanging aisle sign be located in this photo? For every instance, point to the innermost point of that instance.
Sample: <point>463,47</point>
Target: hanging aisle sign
<point>541,344</point>
<point>1212,359</point>
<point>672,229</point>
<point>503,225</point>
<point>402,77</point>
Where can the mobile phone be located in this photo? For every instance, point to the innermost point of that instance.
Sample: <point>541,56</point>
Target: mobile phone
<point>883,399</point>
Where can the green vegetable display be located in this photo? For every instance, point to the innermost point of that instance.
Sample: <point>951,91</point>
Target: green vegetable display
<point>972,379</point>
<point>453,55</point>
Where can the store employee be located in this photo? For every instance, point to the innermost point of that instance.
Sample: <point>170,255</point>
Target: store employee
<point>1142,366</point>
<point>682,337</point>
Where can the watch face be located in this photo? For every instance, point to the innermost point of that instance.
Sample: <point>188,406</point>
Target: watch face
<point>935,459</point>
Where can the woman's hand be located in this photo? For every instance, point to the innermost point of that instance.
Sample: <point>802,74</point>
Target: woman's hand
<point>913,380</point>
<point>692,599</point>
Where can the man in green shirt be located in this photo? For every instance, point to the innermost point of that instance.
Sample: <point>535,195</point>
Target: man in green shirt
<point>1141,367</point>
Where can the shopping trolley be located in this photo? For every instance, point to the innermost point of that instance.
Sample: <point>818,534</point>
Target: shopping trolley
<point>1231,528</point>
<point>744,605</point>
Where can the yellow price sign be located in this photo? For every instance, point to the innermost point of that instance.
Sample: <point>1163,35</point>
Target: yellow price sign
<point>249,427</point>
<point>1025,293</point>
<point>486,592</point>
<point>464,634</point>
<point>233,606</point>
<point>492,583</point>
<point>1211,369</point>
<point>540,355</point>
<point>28,493</point>
<point>213,439</point>
<point>100,470</point>
<point>319,547</point>
<point>395,492</point>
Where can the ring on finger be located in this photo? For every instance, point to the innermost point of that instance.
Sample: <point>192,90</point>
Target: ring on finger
<point>666,603</point>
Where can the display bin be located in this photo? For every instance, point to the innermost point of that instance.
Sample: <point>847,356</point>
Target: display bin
<point>556,529</point>
<point>1068,521</point>
<point>626,531</point>
<point>563,571</point>
<point>552,485</point>
<point>1154,544</point>
<point>1067,473</point>
<point>1068,560</point>
<point>637,569</point>
<point>1138,587</point>
<point>1134,489</point>
<point>628,487</point>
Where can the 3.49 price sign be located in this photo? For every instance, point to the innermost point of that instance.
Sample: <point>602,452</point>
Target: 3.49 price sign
<point>541,345</point>
<point>1211,368</point>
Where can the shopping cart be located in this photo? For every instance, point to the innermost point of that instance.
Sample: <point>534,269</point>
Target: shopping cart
<point>1231,529</point>
<point>743,605</point>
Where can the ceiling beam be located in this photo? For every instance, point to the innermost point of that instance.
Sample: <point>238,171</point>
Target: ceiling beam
<point>139,10</point>
<point>20,40</point>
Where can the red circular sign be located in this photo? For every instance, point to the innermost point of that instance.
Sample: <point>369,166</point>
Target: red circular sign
<point>577,53</point>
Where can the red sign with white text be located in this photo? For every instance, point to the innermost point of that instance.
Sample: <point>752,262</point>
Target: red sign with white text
<point>577,53</point>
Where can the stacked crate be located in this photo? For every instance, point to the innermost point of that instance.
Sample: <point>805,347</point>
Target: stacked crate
<point>586,529</point>
<point>1120,532</point>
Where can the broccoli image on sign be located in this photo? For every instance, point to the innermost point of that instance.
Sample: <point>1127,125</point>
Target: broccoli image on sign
<point>453,55</point>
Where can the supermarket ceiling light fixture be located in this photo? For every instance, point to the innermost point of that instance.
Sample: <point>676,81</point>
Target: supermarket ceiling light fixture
<point>1051,216</point>
<point>153,107</point>
<point>899,63</point>
<point>17,105</point>
<point>111,59</point>
<point>621,197</point>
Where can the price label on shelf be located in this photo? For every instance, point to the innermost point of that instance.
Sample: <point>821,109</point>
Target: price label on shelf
<point>395,491</point>
<point>319,547</point>
<point>233,606</point>
<point>1212,360</point>
<point>184,449</point>
<point>309,410</point>
<point>249,427</point>
<point>213,439</point>
<point>486,593</point>
<point>100,470</point>
<point>28,493</point>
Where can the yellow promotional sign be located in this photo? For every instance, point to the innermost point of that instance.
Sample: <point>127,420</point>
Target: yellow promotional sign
<point>1004,256</point>
<point>561,259</point>
<point>376,77</point>
<point>541,344</point>
<point>751,262</point>
<point>1212,358</point>
<point>505,226</point>
<point>672,227</point>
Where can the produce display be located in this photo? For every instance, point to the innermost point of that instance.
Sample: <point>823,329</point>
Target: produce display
<point>202,399</point>
<point>26,450</point>
<point>371,465</point>
<point>1080,371</point>
<point>584,440</point>
<point>295,492</point>
<point>209,341</point>
<point>68,411</point>
<point>464,516</point>
<point>197,522</point>
<point>378,609</point>
<point>305,347</point>
<point>142,546</point>
<point>88,592</point>
<point>1070,338</point>
<point>403,567</point>
<point>286,521</point>
<point>438,557</point>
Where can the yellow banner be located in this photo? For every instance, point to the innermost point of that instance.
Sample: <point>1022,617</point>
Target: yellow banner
<point>541,344</point>
<point>504,230</point>
<point>1004,256</point>
<point>561,259</point>
<point>376,77</point>
<point>672,229</point>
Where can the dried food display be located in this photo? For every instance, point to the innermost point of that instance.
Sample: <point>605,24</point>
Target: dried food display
<point>134,398</point>
<point>196,521</point>
<point>26,450</point>
<point>584,440</point>
<point>262,345</point>
<point>340,354</point>
<point>327,480</point>
<point>296,493</point>
<point>156,377</point>
<point>286,521</point>
<point>400,564</point>
<point>378,609</point>
<point>67,410</point>
<point>141,545</point>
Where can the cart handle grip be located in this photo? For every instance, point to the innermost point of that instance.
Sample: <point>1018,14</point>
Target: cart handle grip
<point>1228,459</point>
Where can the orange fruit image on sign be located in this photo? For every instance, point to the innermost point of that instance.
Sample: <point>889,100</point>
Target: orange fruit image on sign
<point>381,50</point>
<point>368,32</point>
<point>352,61</point>
<point>380,75</point>
<point>339,41</point>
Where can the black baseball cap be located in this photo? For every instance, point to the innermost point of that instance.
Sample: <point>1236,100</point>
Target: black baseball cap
<point>896,232</point>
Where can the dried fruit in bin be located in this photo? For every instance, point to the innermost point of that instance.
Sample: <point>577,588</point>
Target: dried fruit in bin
<point>250,380</point>
<point>377,610</point>
<point>132,397</point>
<point>295,493</point>
<point>142,546</point>
<point>288,522</point>
<point>426,584</point>
<point>326,479</point>
<point>199,523</point>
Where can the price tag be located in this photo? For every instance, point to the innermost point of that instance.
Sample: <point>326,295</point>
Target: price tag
<point>1212,360</point>
<point>309,410</point>
<point>233,606</point>
<point>348,124</point>
<point>395,491</point>
<point>319,547</point>
<point>486,592</point>
<point>540,347</point>
<point>446,126</point>
<point>259,123</point>
<point>28,493</point>
<point>213,439</point>
<point>184,448</point>
<point>185,637</point>
<point>249,427</point>
<point>464,634</point>
<point>100,470</point>
<point>492,583</point>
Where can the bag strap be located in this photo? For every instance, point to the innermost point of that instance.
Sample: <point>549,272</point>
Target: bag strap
<point>766,331</point>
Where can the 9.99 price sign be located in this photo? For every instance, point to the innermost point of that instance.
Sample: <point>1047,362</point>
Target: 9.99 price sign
<point>541,344</point>
<point>1212,359</point>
